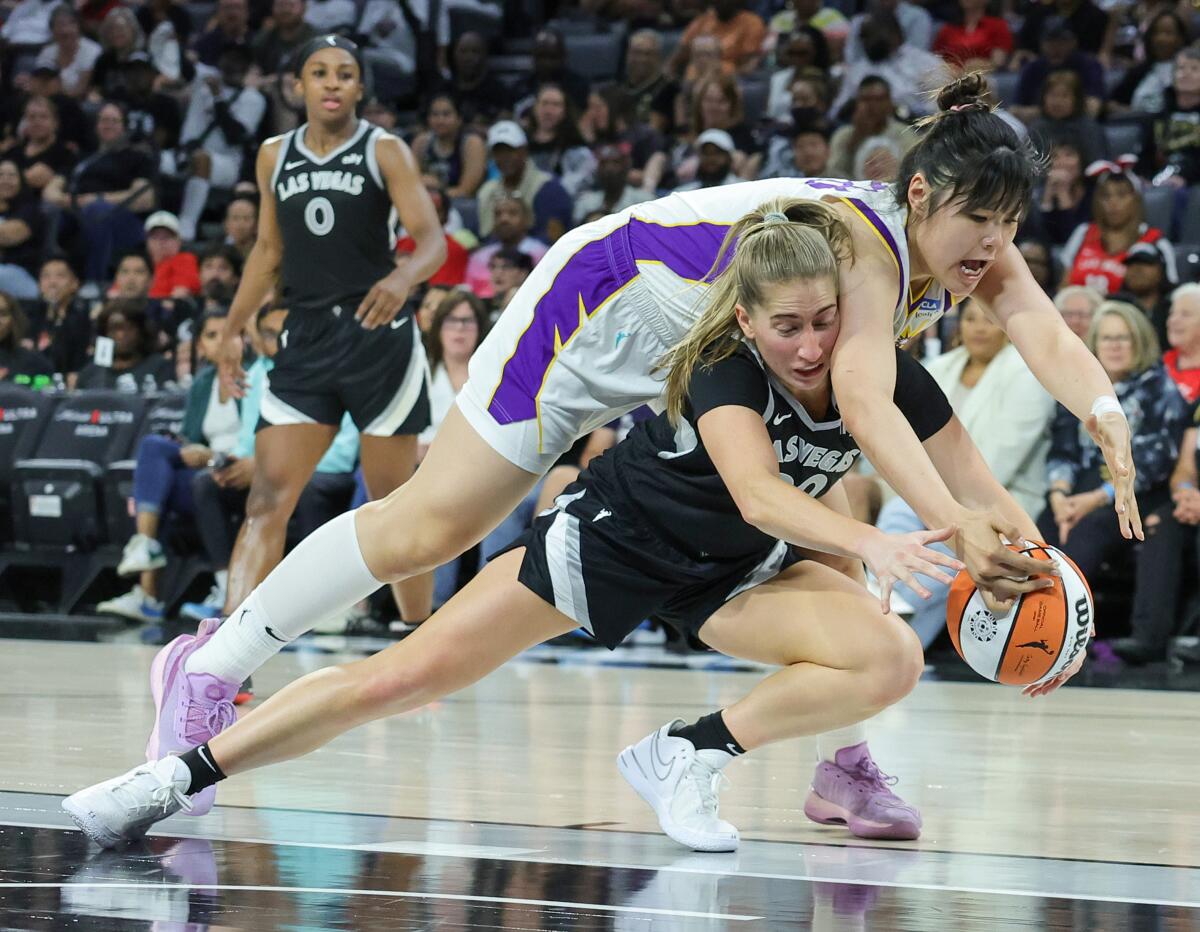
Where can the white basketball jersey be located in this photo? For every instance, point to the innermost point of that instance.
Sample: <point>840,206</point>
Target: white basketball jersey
<point>674,242</point>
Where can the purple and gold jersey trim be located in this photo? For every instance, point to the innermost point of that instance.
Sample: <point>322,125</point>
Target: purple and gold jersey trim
<point>880,229</point>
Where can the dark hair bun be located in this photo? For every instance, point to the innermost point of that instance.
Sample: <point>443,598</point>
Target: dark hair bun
<point>970,90</point>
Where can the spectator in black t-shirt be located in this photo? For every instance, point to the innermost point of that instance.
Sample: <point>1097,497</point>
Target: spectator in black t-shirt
<point>21,234</point>
<point>106,192</point>
<point>653,90</point>
<point>1061,118</point>
<point>273,47</point>
<point>74,128</point>
<point>1060,49</point>
<point>482,97</point>
<point>1063,203</point>
<point>154,118</point>
<point>136,365</point>
<point>121,36</point>
<point>1086,21</point>
<point>1173,137</point>
<point>60,328</point>
<point>1147,287</point>
<point>1163,37</point>
<point>38,152</point>
<point>232,29</point>
<point>18,363</point>
<point>550,67</point>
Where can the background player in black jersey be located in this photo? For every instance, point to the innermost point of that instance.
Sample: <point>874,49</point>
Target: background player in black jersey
<point>697,517</point>
<point>331,190</point>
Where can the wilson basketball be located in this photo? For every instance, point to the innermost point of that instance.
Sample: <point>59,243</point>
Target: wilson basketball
<point>1040,636</point>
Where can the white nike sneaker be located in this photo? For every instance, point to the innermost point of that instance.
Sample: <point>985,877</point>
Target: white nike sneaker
<point>681,787</point>
<point>123,809</point>
<point>141,554</point>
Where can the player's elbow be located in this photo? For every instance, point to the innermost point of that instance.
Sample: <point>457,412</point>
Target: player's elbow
<point>754,503</point>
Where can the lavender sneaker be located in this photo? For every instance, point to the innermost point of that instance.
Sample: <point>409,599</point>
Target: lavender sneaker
<point>855,793</point>
<point>190,708</point>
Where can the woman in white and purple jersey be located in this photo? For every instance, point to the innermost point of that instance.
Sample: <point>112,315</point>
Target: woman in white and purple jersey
<point>578,346</point>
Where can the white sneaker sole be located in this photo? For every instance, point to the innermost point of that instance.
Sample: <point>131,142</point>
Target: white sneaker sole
<point>698,841</point>
<point>89,823</point>
<point>132,567</point>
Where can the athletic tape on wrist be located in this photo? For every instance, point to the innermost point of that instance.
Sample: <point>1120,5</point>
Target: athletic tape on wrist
<point>1106,404</point>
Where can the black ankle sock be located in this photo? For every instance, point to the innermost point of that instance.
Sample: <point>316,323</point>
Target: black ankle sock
<point>711,733</point>
<point>203,768</point>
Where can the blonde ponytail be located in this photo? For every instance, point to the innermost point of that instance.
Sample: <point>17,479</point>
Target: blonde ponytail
<point>781,240</point>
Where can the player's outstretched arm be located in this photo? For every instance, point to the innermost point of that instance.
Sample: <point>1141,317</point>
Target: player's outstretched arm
<point>1067,370</point>
<point>740,447</point>
<point>258,277</point>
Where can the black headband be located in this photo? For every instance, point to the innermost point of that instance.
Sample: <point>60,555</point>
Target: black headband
<point>312,46</point>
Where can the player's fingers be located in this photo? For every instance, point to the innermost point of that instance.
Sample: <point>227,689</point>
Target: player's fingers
<point>995,604</point>
<point>365,307</point>
<point>911,581</point>
<point>1018,564</point>
<point>941,559</point>
<point>1134,513</point>
<point>938,535</point>
<point>885,593</point>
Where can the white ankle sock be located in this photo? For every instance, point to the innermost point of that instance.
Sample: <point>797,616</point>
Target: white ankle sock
<point>321,578</point>
<point>830,742</point>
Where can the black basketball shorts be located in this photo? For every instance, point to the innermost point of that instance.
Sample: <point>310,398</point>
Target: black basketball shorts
<point>328,365</point>
<point>601,567</point>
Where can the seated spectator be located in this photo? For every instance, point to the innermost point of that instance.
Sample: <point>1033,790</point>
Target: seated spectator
<point>510,230</point>
<point>1077,304</point>
<point>482,97</point>
<point>391,30</point>
<point>1095,253</point>
<point>39,152</point>
<point>1164,36</point>
<point>508,268</point>
<point>1146,287</point>
<point>120,36</point>
<point>1006,412</point>
<point>21,234</point>
<point>1171,146</point>
<point>272,47</point>
<point>176,273</point>
<point>74,128</point>
<point>715,163</point>
<point>914,28</point>
<point>1063,205</point>
<point>1082,18</point>
<point>1040,260</point>
<point>454,270</point>
<point>612,192</point>
<point>167,28</point>
<point>241,224</point>
<point>910,71</point>
<point>220,272</point>
<point>220,494</point>
<point>60,328</point>
<point>740,32</point>
<point>27,26</point>
<point>546,199</point>
<point>1062,118</point>
<point>974,38</point>
<point>105,194</point>
<point>454,155</point>
<point>222,121</point>
<point>231,30</point>
<point>154,118</point>
<point>1183,336</point>
<point>18,363</point>
<point>133,277</point>
<point>1059,51</point>
<point>810,14</point>
<point>645,80</point>
<point>429,303</point>
<point>1172,537</point>
<point>162,479</point>
<point>872,118</point>
<point>550,66</point>
<point>800,51</point>
<point>131,362</point>
<point>71,53</point>
<point>610,120</point>
<point>331,15</point>
<point>1080,518</point>
<point>555,143</point>
<point>718,104</point>
<point>806,154</point>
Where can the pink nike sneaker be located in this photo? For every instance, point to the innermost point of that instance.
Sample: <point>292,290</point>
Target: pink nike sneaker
<point>190,708</point>
<point>853,792</point>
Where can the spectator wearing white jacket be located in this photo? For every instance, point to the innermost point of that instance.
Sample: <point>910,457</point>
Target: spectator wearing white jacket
<point>1007,414</point>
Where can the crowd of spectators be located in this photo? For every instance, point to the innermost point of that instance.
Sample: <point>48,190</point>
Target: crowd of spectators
<point>128,204</point>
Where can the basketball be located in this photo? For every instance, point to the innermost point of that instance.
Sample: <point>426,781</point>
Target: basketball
<point>1040,636</point>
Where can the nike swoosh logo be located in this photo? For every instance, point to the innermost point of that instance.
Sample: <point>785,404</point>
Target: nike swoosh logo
<point>732,749</point>
<point>242,615</point>
<point>656,759</point>
<point>602,513</point>
<point>399,322</point>
<point>781,418</point>
<point>269,631</point>
<point>290,165</point>
<point>207,760</point>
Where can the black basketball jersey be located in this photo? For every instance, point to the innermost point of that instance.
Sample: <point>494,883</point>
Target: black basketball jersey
<point>664,474</point>
<point>336,219</point>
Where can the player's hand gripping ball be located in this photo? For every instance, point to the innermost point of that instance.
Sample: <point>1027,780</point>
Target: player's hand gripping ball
<point>1042,634</point>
